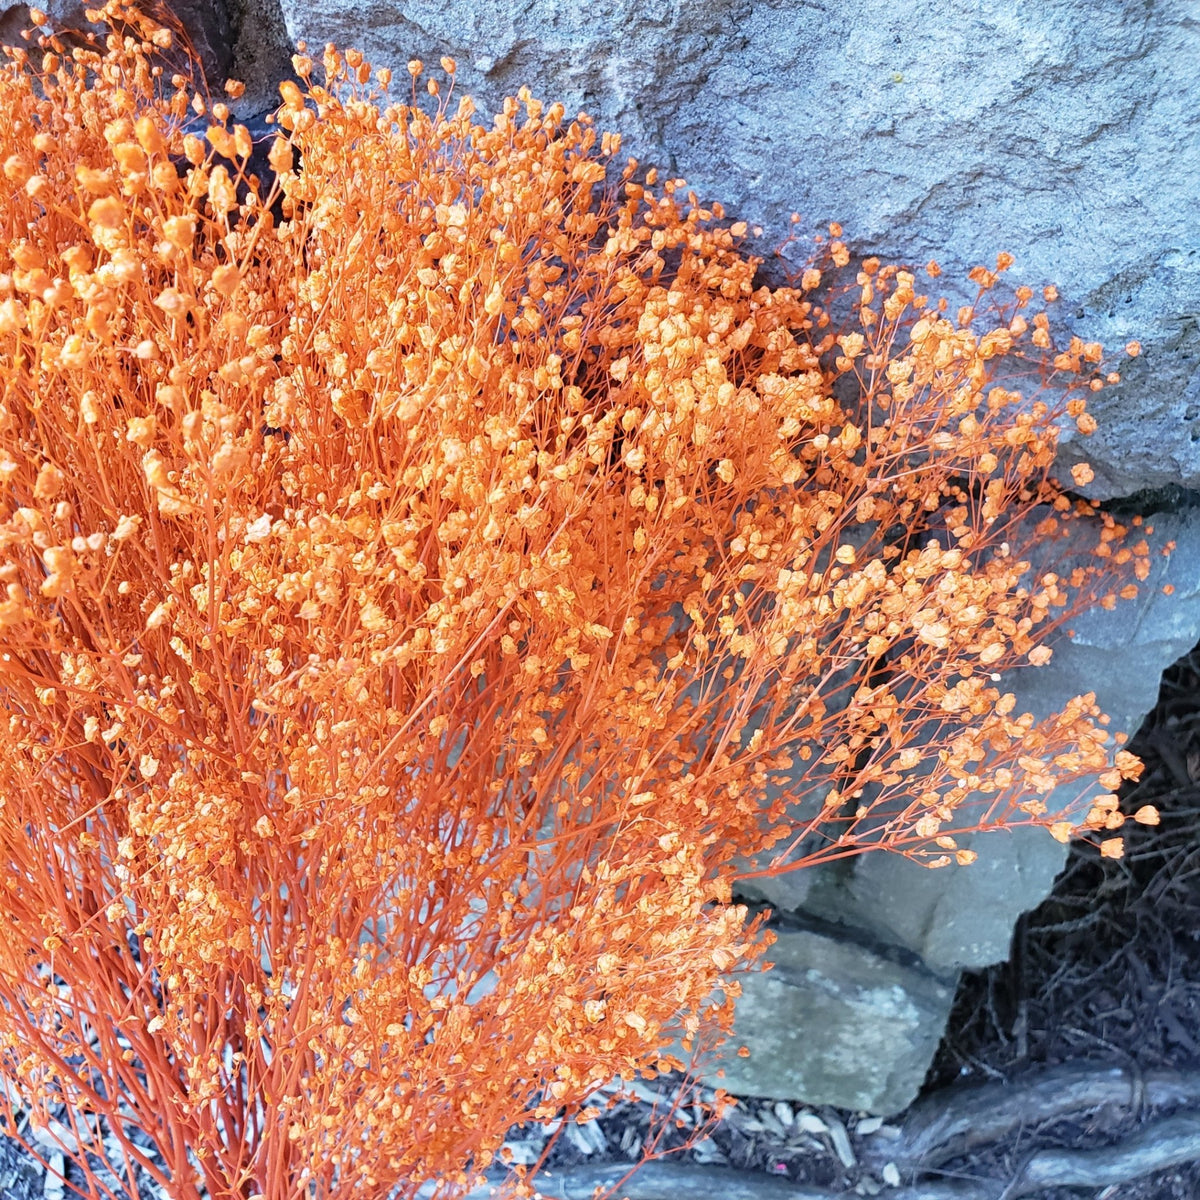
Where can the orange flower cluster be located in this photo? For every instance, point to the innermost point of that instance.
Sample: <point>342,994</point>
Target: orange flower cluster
<point>426,570</point>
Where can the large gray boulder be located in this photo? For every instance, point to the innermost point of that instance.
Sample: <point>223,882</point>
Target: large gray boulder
<point>1063,132</point>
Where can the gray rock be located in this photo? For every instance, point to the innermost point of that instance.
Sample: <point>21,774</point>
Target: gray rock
<point>1149,424</point>
<point>963,916</point>
<point>835,1023</point>
<point>789,891</point>
<point>212,35</point>
<point>262,53</point>
<point>206,23</point>
<point>954,916</point>
<point>1062,132</point>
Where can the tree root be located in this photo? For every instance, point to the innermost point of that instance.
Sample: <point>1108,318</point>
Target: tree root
<point>684,1181</point>
<point>954,1121</point>
<point>1154,1147</point>
<point>944,1126</point>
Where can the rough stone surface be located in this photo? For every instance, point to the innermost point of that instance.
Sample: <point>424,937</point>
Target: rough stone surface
<point>212,35</point>
<point>836,1023</point>
<point>206,23</point>
<point>953,917</point>
<point>262,53</point>
<point>1063,132</point>
<point>789,891</point>
<point>963,917</point>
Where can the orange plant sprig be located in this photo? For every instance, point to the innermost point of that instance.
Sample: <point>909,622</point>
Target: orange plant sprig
<point>427,571</point>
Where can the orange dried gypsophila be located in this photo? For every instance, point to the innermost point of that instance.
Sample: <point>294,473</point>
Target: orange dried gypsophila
<point>417,597</point>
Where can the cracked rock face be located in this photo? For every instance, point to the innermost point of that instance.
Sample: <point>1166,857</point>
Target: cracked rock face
<point>1061,132</point>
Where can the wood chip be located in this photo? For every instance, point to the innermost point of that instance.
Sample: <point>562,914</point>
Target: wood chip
<point>53,1136</point>
<point>772,1123</point>
<point>707,1151</point>
<point>53,1188</point>
<point>841,1143</point>
<point>525,1153</point>
<point>643,1092</point>
<point>587,1138</point>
